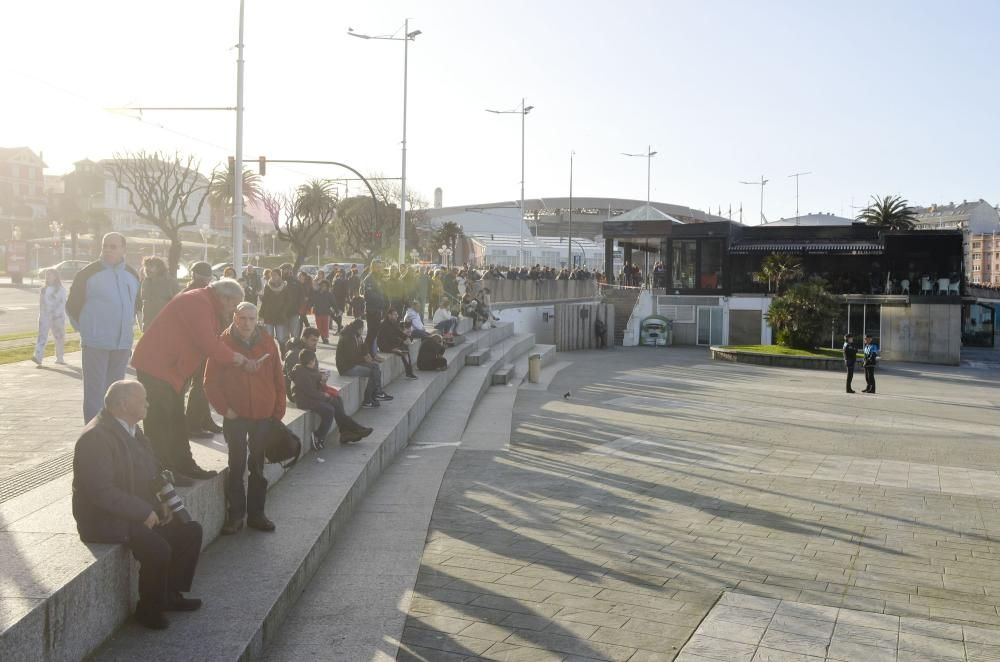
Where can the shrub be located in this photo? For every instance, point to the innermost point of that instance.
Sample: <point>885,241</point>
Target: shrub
<point>801,317</point>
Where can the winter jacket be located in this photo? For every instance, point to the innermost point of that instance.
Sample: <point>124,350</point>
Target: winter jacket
<point>850,353</point>
<point>101,305</point>
<point>154,293</point>
<point>413,317</point>
<point>339,289</point>
<point>322,303</point>
<point>184,333</point>
<point>295,297</point>
<point>274,304</point>
<point>372,290</point>
<point>52,304</point>
<point>350,352</point>
<point>307,387</point>
<point>390,336</point>
<point>254,395</point>
<point>871,355</point>
<point>113,476</point>
<point>431,354</point>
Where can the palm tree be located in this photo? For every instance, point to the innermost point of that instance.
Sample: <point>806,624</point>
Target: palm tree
<point>890,212</point>
<point>777,268</point>
<point>220,189</point>
<point>448,234</point>
<point>316,199</point>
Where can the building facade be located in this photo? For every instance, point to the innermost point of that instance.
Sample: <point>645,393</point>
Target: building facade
<point>22,183</point>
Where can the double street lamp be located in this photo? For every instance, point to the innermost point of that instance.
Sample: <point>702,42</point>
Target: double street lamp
<point>522,111</point>
<point>649,170</point>
<point>406,39</point>
<point>445,255</point>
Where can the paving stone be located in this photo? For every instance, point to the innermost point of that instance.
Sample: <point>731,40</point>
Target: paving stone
<point>719,649</point>
<point>719,629</point>
<point>981,635</point>
<point>931,646</point>
<point>772,655</point>
<point>927,628</point>
<point>802,610</point>
<point>805,626</point>
<point>794,643</point>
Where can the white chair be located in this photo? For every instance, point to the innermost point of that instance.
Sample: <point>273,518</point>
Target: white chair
<point>925,285</point>
<point>904,286</point>
<point>953,287</point>
<point>942,285</point>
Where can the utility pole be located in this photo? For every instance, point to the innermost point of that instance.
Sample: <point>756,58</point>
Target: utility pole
<point>238,169</point>
<point>762,183</point>
<point>569,238</point>
<point>796,176</point>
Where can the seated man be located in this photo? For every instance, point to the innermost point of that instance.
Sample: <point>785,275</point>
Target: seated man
<point>431,354</point>
<point>444,321</point>
<point>393,340</point>
<point>415,321</point>
<point>115,481</point>
<point>354,360</point>
<point>309,392</point>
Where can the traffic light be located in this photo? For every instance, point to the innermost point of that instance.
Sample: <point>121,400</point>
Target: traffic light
<point>262,165</point>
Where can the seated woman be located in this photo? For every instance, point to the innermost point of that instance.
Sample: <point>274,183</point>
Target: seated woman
<point>309,393</point>
<point>392,340</point>
<point>444,321</point>
<point>431,354</point>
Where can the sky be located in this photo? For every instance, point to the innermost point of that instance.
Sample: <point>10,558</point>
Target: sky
<point>870,97</point>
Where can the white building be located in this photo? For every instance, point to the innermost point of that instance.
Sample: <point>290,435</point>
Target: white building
<point>979,222</point>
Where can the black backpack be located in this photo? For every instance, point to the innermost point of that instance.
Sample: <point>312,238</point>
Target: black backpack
<point>283,445</point>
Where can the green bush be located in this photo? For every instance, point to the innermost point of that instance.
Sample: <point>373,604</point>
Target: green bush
<point>801,317</point>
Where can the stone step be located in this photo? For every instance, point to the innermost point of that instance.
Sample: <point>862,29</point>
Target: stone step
<point>478,357</point>
<point>87,590</point>
<point>504,375</point>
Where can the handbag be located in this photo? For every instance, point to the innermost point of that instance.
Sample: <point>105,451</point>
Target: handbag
<point>283,446</point>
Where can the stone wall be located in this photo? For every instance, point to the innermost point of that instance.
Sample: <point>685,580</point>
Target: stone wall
<point>922,333</point>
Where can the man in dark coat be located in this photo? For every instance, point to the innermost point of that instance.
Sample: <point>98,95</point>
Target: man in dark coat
<point>850,356</point>
<point>114,501</point>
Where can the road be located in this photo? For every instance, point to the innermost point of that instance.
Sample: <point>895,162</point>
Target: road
<point>18,310</point>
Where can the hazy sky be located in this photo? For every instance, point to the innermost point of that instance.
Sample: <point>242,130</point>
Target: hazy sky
<point>872,97</point>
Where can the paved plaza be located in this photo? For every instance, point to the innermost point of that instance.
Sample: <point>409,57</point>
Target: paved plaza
<point>646,490</point>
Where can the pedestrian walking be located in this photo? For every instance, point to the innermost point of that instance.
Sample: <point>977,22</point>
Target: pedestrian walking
<point>157,288</point>
<point>51,316</point>
<point>850,356</point>
<point>871,351</point>
<point>101,305</point>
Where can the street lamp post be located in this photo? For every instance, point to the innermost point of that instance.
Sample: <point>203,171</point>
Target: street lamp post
<point>238,167</point>
<point>414,255</point>
<point>445,255</point>
<point>649,172</point>
<point>523,111</point>
<point>406,39</point>
<point>569,232</point>
<point>56,228</point>
<point>206,234</point>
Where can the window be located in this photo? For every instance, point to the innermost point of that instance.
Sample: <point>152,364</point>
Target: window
<point>684,256</point>
<point>710,269</point>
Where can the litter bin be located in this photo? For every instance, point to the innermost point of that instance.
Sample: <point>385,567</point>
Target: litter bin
<point>534,368</point>
<point>656,331</point>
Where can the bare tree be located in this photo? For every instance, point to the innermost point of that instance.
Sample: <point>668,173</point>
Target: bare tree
<point>168,192</point>
<point>299,218</point>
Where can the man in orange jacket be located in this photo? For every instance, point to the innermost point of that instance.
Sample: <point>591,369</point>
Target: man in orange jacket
<point>250,402</point>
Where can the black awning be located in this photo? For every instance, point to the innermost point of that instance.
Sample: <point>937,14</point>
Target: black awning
<point>747,247</point>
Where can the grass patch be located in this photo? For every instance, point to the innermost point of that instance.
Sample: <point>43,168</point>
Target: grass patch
<point>23,335</point>
<point>825,352</point>
<point>25,352</point>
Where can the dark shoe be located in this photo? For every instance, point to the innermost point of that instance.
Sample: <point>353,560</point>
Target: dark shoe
<point>212,427</point>
<point>350,436</point>
<point>326,341</point>
<point>232,526</point>
<point>317,443</point>
<point>363,431</point>
<point>412,376</point>
<point>850,391</point>
<point>151,618</point>
<point>177,602</point>
<point>260,522</point>
<point>200,434</point>
<point>383,396</point>
<point>196,472</point>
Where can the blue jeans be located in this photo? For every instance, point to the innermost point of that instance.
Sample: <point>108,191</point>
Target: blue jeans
<point>374,376</point>
<point>328,412</point>
<point>243,435</point>
<point>101,369</point>
<point>447,326</point>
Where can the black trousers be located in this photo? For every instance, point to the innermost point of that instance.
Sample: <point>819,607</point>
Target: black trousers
<point>247,442</point>
<point>373,320</point>
<point>404,354</point>
<point>166,424</point>
<point>199,416</point>
<point>167,556</point>
<point>850,375</point>
<point>870,378</point>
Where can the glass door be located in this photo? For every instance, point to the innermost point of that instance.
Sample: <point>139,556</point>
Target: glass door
<point>709,325</point>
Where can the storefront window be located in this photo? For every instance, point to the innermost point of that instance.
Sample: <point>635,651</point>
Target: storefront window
<point>710,269</point>
<point>684,260</point>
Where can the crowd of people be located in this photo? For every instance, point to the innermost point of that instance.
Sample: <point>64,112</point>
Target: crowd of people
<point>245,346</point>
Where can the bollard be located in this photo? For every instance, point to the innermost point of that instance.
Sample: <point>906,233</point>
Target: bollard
<point>534,368</point>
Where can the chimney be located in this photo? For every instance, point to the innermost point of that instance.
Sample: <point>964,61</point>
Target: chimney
<point>438,197</point>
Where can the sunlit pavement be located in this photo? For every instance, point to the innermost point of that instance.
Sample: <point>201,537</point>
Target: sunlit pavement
<point>645,483</point>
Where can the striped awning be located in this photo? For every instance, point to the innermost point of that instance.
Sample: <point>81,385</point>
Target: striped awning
<point>746,247</point>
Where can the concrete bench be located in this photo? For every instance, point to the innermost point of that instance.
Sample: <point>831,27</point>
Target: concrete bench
<point>478,357</point>
<point>61,598</point>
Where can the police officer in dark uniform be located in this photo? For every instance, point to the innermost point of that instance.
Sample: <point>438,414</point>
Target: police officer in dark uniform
<point>850,356</point>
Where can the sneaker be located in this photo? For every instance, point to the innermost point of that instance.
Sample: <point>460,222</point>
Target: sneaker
<point>364,432</point>
<point>37,361</point>
<point>260,522</point>
<point>317,443</point>
<point>412,376</point>
<point>371,404</point>
<point>383,396</point>
<point>60,362</point>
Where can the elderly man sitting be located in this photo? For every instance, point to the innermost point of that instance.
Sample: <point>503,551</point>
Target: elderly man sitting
<point>115,481</point>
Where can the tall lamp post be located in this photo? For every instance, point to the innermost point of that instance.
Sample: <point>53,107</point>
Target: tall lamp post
<point>445,255</point>
<point>569,232</point>
<point>56,228</point>
<point>206,234</point>
<point>649,172</point>
<point>522,111</point>
<point>406,39</point>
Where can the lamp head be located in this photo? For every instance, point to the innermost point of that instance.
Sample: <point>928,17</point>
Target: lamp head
<point>528,109</point>
<point>413,35</point>
<point>653,153</point>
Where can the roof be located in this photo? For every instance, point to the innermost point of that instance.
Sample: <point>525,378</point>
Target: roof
<point>814,220</point>
<point>646,213</point>
<point>814,247</point>
<point>19,153</point>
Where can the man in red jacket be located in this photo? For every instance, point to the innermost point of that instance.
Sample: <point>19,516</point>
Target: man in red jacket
<point>250,401</point>
<point>182,335</point>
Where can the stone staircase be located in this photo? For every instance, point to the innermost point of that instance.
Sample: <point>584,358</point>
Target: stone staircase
<point>624,302</point>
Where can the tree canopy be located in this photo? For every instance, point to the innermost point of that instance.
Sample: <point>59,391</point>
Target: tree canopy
<point>891,212</point>
<point>802,316</point>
